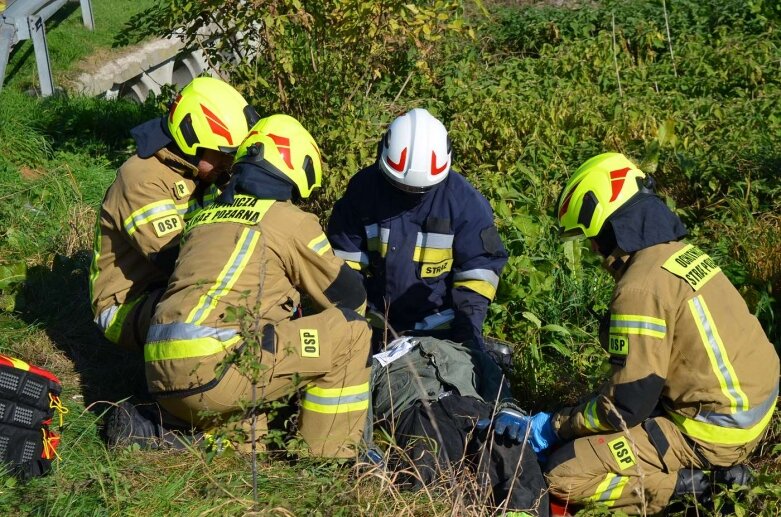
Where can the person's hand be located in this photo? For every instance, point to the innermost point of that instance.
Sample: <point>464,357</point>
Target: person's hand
<point>515,425</point>
<point>508,422</point>
<point>542,436</point>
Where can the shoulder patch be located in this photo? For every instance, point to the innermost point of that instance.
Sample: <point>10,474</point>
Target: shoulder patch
<point>437,225</point>
<point>693,266</point>
<point>492,242</point>
<point>180,190</point>
<point>618,347</point>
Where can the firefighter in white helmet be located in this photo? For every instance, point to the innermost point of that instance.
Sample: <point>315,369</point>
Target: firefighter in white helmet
<point>421,235</point>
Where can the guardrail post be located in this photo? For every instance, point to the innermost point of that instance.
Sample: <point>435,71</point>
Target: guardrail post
<point>38,35</point>
<point>86,14</point>
<point>7,34</point>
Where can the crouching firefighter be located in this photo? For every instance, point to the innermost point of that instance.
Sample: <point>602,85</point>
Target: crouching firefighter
<point>251,252</point>
<point>432,396</point>
<point>178,157</point>
<point>694,377</point>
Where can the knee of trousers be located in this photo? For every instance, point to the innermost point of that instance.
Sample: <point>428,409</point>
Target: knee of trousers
<point>350,336</point>
<point>567,478</point>
<point>344,335</point>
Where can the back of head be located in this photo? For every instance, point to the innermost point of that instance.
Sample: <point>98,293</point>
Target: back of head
<point>599,187</point>
<point>209,114</point>
<point>279,146</point>
<point>611,200</point>
<point>415,153</point>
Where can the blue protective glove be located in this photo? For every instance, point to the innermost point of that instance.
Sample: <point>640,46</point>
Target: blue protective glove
<point>513,424</point>
<point>542,436</point>
<point>508,422</point>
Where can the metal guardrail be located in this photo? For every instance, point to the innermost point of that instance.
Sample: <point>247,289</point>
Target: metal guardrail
<point>25,19</point>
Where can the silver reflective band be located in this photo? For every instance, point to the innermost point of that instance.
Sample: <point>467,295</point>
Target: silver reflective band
<point>219,290</point>
<point>139,219</point>
<point>320,245</point>
<point>434,240</point>
<point>638,325</point>
<point>372,231</point>
<point>716,350</point>
<point>741,419</point>
<point>105,318</point>
<point>176,331</point>
<point>334,401</point>
<point>384,235</point>
<point>355,256</point>
<point>486,275</point>
<point>605,496</point>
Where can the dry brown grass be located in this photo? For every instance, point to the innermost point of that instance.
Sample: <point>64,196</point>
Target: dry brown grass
<point>80,231</point>
<point>756,244</point>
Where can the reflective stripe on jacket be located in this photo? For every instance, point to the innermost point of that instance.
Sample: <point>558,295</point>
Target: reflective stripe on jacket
<point>247,258</point>
<point>681,337</point>
<point>138,229</point>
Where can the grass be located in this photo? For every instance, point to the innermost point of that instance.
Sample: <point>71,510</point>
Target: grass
<point>523,106</point>
<point>69,41</point>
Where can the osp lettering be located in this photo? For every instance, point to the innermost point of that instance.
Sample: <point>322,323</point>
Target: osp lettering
<point>168,225</point>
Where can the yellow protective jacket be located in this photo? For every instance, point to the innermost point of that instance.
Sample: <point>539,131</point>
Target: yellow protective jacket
<point>681,339</point>
<point>138,229</point>
<point>248,257</point>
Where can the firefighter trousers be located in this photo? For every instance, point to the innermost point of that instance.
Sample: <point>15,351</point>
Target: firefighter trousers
<point>634,471</point>
<point>326,354</point>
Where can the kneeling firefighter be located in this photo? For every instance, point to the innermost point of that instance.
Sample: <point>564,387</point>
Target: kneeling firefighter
<point>694,377</point>
<point>178,159</point>
<point>252,252</point>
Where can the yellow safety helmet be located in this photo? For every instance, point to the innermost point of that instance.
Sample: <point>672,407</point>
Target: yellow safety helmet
<point>281,147</point>
<point>599,187</point>
<point>210,114</point>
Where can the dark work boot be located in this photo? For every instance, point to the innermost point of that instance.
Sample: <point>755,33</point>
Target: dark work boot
<point>702,483</point>
<point>696,482</point>
<point>127,424</point>
<point>739,475</point>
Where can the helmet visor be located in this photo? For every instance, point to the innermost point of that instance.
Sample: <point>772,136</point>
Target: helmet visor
<point>231,150</point>
<point>574,234</point>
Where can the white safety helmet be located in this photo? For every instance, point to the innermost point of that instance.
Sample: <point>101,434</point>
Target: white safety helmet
<point>415,152</point>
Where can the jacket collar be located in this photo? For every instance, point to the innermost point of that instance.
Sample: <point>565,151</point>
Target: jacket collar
<point>151,136</point>
<point>644,222</point>
<point>176,163</point>
<point>248,178</point>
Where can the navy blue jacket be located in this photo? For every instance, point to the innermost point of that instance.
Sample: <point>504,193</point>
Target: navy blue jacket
<point>421,253</point>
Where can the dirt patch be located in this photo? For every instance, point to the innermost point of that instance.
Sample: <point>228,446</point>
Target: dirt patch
<point>29,174</point>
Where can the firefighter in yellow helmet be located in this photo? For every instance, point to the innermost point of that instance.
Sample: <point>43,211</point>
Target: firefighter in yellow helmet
<point>154,193</point>
<point>694,377</point>
<point>252,252</point>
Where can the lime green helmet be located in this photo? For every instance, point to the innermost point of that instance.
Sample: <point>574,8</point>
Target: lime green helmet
<point>598,188</point>
<point>209,114</point>
<point>280,146</point>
